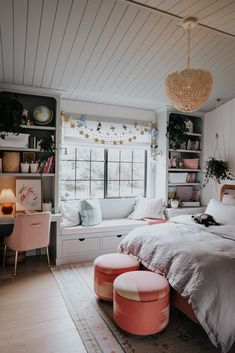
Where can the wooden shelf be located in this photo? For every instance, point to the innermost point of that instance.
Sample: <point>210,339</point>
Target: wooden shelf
<point>31,175</point>
<point>183,184</point>
<point>184,170</point>
<point>36,127</point>
<point>185,151</point>
<point>19,149</point>
<point>193,134</point>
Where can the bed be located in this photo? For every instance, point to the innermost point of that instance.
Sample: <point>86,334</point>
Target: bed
<point>199,264</point>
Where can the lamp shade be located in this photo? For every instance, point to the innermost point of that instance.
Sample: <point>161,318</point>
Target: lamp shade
<point>189,89</point>
<point>7,196</point>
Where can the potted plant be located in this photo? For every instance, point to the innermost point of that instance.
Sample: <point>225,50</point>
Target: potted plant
<point>10,116</point>
<point>217,169</point>
<point>47,144</point>
<point>176,131</point>
<point>34,166</point>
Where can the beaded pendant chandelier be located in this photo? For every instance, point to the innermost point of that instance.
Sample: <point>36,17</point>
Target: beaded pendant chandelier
<point>189,89</point>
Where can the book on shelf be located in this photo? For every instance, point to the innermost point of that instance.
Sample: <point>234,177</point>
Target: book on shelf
<point>52,163</point>
<point>48,165</point>
<point>41,167</point>
<point>190,203</point>
<point>191,177</point>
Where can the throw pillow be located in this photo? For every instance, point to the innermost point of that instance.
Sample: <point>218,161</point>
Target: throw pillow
<point>69,211</point>
<point>147,208</point>
<point>222,213</point>
<point>228,199</point>
<point>90,212</point>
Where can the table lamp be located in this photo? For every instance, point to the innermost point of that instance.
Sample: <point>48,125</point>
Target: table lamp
<point>7,199</point>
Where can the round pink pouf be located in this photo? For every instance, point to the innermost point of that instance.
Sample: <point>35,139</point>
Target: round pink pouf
<point>107,268</point>
<point>141,302</point>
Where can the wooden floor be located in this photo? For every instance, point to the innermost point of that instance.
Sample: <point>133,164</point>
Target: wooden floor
<point>33,314</point>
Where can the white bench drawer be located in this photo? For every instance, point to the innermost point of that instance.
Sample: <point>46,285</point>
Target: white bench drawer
<point>80,245</point>
<point>112,241</point>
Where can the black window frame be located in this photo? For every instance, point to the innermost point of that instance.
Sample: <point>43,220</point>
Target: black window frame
<point>105,179</point>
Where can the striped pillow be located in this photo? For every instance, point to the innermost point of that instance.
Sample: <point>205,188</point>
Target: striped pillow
<point>90,212</point>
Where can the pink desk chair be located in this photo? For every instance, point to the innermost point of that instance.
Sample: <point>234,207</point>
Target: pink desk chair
<point>31,231</point>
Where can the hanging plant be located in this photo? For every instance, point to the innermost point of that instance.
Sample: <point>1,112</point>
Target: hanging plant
<point>10,116</point>
<point>217,169</point>
<point>176,131</point>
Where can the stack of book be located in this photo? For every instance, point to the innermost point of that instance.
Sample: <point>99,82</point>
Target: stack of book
<point>47,166</point>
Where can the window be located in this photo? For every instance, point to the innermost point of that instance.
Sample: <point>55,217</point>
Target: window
<point>102,173</point>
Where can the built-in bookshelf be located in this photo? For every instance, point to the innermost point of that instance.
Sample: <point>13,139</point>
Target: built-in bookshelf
<point>36,148</point>
<point>181,180</point>
<point>184,172</point>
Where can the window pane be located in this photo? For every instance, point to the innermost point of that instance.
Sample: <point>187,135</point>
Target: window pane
<point>138,171</point>
<point>68,190</point>
<point>68,153</point>
<point>113,154</point>
<point>97,154</point>
<point>113,188</point>
<point>83,170</point>
<point>125,188</point>
<point>97,170</point>
<point>138,155</point>
<point>138,188</point>
<point>97,189</point>
<point>126,155</point>
<point>126,171</point>
<point>67,170</point>
<point>113,171</point>
<point>82,189</point>
<point>83,153</point>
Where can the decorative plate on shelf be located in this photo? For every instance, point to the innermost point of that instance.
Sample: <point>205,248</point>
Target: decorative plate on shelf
<point>42,115</point>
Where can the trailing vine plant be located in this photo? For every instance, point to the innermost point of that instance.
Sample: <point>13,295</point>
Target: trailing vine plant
<point>217,170</point>
<point>176,131</point>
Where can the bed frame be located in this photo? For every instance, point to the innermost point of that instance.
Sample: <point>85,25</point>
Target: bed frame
<point>177,300</point>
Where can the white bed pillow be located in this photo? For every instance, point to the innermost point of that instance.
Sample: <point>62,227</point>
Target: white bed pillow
<point>69,211</point>
<point>228,199</point>
<point>147,208</point>
<point>224,214</point>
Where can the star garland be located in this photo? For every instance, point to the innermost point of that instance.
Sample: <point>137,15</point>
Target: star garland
<point>102,133</point>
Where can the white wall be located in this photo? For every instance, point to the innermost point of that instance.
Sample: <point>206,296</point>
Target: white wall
<point>161,164</point>
<point>221,121</point>
<point>71,106</point>
<point>115,114</point>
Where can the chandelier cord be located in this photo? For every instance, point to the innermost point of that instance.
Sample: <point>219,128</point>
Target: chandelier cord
<point>188,49</point>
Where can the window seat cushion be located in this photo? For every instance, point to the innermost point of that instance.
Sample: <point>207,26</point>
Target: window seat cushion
<point>107,225</point>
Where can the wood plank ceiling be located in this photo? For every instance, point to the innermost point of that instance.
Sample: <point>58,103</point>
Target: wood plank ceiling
<point>114,52</point>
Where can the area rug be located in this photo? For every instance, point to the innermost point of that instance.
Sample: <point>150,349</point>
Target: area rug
<point>94,322</point>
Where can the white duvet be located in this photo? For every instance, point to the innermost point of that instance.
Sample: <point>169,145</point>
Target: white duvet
<point>199,263</point>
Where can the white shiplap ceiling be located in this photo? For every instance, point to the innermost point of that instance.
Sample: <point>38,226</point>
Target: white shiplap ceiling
<point>114,52</point>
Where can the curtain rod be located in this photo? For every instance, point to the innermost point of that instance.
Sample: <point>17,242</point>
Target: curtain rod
<point>169,14</point>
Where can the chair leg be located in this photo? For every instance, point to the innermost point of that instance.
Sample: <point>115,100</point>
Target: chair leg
<point>48,257</point>
<point>16,258</point>
<point>4,255</point>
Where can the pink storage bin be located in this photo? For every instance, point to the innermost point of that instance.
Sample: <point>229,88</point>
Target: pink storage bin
<point>191,163</point>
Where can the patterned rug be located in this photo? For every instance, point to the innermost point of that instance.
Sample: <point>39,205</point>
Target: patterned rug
<point>94,322</point>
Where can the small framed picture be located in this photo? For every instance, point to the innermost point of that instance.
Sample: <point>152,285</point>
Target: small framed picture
<point>29,157</point>
<point>28,195</point>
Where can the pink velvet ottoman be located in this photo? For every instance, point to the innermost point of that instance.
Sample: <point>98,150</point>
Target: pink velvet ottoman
<point>141,302</point>
<point>107,268</point>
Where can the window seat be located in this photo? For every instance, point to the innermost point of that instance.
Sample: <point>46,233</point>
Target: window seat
<point>77,244</point>
<point>107,225</point>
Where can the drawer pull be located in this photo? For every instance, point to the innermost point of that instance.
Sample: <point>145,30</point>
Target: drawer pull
<point>35,225</point>
<point>119,235</point>
<point>81,239</point>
